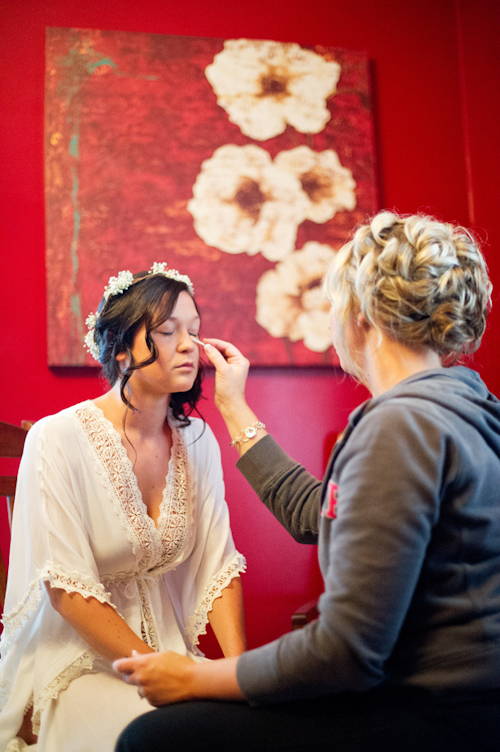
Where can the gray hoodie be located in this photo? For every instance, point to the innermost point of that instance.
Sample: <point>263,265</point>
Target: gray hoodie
<point>408,524</point>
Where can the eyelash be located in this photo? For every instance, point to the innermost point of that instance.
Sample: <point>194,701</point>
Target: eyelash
<point>169,334</point>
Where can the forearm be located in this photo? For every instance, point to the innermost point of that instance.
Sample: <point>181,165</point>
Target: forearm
<point>227,619</point>
<point>238,416</point>
<point>291,493</point>
<point>98,623</point>
<point>214,680</point>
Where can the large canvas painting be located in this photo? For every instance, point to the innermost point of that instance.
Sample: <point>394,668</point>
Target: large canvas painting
<point>242,163</point>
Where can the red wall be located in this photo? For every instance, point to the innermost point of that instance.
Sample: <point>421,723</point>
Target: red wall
<point>436,77</point>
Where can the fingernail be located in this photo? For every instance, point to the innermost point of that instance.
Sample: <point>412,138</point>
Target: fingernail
<point>208,347</point>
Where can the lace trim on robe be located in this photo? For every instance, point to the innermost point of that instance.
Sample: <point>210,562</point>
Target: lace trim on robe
<point>13,620</point>
<point>11,623</point>
<point>71,582</point>
<point>17,745</point>
<point>148,630</point>
<point>82,665</point>
<point>176,511</point>
<point>153,547</point>
<point>198,622</point>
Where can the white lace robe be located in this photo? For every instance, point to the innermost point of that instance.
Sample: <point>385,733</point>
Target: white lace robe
<point>80,524</point>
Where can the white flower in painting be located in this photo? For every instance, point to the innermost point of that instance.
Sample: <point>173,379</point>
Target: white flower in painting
<point>328,185</point>
<point>290,301</point>
<point>243,203</point>
<point>264,85</point>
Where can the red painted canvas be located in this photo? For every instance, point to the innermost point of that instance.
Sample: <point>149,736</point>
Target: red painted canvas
<point>241,163</point>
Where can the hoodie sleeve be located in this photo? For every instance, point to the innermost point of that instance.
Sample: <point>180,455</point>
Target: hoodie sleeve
<point>387,480</point>
<point>291,493</point>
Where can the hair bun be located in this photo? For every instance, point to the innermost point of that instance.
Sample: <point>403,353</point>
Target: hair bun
<point>423,281</point>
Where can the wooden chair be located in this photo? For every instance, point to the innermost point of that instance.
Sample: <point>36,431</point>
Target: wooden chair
<point>12,440</point>
<point>304,614</point>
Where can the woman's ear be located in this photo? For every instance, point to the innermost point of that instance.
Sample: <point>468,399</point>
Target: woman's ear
<point>123,360</point>
<point>360,320</point>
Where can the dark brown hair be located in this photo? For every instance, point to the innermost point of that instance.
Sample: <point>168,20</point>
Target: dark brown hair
<point>148,302</point>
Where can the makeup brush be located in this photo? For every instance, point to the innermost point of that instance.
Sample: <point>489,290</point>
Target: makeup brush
<point>198,341</point>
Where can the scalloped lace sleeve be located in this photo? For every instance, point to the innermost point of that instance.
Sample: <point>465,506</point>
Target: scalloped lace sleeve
<point>74,582</point>
<point>198,622</point>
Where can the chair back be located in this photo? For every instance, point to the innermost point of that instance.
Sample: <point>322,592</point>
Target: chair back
<point>12,440</point>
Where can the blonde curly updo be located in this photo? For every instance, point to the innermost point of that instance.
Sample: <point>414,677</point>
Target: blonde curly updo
<point>423,282</point>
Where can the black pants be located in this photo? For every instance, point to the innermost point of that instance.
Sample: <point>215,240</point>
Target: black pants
<point>382,720</point>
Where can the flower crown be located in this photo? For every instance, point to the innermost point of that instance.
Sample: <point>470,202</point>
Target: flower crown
<point>118,285</point>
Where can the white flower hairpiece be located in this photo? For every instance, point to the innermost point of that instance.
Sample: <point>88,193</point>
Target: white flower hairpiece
<point>117,285</point>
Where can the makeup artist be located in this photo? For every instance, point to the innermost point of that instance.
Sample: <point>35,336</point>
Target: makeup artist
<point>405,654</point>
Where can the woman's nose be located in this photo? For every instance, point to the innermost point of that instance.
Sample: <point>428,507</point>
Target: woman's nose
<point>186,343</point>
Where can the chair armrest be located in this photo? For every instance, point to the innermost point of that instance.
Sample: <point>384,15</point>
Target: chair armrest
<point>304,614</point>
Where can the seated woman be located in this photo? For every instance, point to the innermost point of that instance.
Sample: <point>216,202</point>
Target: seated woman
<point>120,537</point>
<point>405,654</point>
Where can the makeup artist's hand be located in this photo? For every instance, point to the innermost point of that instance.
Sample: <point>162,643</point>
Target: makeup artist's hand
<point>231,371</point>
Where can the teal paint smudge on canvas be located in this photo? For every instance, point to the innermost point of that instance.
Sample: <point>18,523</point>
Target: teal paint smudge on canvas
<point>76,221</point>
<point>76,318</point>
<point>91,67</point>
<point>76,309</point>
<point>74,147</point>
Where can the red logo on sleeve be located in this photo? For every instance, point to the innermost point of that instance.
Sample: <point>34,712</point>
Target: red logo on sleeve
<point>330,502</point>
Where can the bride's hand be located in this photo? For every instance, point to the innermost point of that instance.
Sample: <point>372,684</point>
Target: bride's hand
<point>161,678</point>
